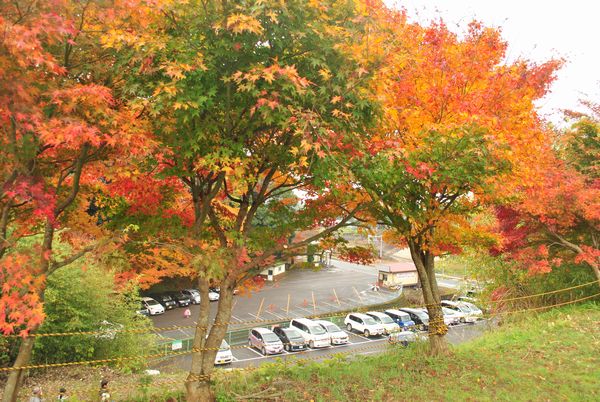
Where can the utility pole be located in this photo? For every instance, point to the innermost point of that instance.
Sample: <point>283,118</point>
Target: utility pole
<point>373,238</point>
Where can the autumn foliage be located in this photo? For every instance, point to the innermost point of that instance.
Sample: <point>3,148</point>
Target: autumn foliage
<point>210,139</point>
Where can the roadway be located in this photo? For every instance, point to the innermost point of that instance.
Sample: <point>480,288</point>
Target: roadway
<point>342,286</point>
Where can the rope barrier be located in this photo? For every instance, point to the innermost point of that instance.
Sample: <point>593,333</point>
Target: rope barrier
<point>180,327</point>
<point>436,324</point>
<point>545,293</point>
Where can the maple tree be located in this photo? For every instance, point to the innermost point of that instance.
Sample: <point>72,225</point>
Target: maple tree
<point>557,220</point>
<point>59,121</point>
<point>253,104</point>
<point>458,121</point>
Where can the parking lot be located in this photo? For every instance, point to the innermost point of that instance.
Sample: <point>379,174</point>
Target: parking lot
<point>299,293</point>
<point>245,356</point>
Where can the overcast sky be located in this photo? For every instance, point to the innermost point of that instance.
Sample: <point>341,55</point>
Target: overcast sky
<point>537,30</point>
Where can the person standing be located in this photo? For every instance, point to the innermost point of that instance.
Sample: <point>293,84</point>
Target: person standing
<point>104,392</point>
<point>62,394</point>
<point>36,394</point>
<point>187,313</point>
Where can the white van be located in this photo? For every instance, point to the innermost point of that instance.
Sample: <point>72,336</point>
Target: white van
<point>154,307</point>
<point>313,333</point>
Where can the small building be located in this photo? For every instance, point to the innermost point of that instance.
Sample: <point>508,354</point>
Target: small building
<point>397,274</point>
<point>272,273</point>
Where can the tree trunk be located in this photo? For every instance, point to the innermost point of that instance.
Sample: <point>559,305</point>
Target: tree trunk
<point>199,384</point>
<point>425,269</point>
<point>597,272</point>
<point>15,377</point>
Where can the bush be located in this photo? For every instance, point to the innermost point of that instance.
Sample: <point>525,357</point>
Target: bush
<point>84,299</point>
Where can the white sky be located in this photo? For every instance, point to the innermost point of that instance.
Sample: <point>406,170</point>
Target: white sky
<point>537,30</point>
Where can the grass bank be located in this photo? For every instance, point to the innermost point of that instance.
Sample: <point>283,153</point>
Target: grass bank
<point>550,356</point>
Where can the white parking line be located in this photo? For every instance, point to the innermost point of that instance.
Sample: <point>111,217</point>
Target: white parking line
<point>330,304</point>
<point>306,310</point>
<point>235,318</point>
<point>274,314</point>
<point>252,349</point>
<point>360,336</point>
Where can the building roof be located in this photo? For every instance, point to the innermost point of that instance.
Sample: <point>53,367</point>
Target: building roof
<point>396,267</point>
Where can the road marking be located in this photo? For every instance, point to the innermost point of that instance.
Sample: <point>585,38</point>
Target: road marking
<point>360,336</point>
<point>257,352</point>
<point>255,316</point>
<point>235,318</point>
<point>274,314</point>
<point>304,309</point>
<point>329,304</point>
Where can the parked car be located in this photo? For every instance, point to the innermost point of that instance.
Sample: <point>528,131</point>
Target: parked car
<point>389,325</point>
<point>265,340</point>
<point>402,337</point>
<point>143,310</point>
<point>213,296</point>
<point>474,310</point>
<point>154,307</point>
<point>165,300</point>
<point>447,319</point>
<point>453,316</point>
<point>464,308</point>
<point>364,324</point>
<point>181,299</point>
<point>193,294</point>
<point>224,355</point>
<point>401,318</point>
<point>291,338</point>
<point>418,316</point>
<point>336,335</point>
<point>313,333</point>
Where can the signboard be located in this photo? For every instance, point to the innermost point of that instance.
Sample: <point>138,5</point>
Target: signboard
<point>176,345</point>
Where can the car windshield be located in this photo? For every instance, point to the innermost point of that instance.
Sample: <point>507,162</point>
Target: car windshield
<point>224,346</point>
<point>270,337</point>
<point>151,302</point>
<point>422,315</point>
<point>386,320</point>
<point>369,321</point>
<point>471,306</point>
<point>330,327</point>
<point>316,330</point>
<point>447,311</point>
<point>464,308</point>
<point>292,334</point>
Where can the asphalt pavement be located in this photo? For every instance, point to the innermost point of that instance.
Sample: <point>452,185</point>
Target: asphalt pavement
<point>299,293</point>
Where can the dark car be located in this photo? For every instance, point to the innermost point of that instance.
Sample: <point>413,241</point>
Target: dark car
<point>181,299</point>
<point>420,317</point>
<point>292,339</point>
<point>165,300</point>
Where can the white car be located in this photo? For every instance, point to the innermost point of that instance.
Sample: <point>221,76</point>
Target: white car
<point>337,336</point>
<point>456,316</point>
<point>388,323</point>
<point>447,319</point>
<point>314,334</point>
<point>213,296</point>
<point>462,307</point>
<point>154,307</point>
<point>364,324</point>
<point>475,311</point>
<point>224,355</point>
<point>193,294</point>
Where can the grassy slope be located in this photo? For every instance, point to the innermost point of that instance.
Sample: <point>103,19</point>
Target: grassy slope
<point>551,356</point>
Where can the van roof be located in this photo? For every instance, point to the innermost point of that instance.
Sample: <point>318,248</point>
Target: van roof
<point>304,320</point>
<point>262,330</point>
<point>376,313</point>
<point>396,311</point>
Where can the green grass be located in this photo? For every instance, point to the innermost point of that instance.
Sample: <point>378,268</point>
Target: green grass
<point>550,356</point>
